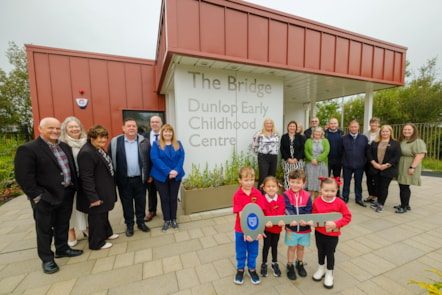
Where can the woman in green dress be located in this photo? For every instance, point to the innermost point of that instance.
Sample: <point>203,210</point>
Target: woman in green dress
<point>413,150</point>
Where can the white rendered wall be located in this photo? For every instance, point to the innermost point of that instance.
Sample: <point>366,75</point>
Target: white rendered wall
<point>218,111</point>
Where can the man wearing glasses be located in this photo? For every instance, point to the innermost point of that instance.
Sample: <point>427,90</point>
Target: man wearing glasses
<point>314,122</point>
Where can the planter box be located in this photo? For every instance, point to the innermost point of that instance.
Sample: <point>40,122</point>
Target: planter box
<point>206,199</point>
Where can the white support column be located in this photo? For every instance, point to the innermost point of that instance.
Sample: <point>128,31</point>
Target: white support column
<point>368,110</point>
<point>306,122</point>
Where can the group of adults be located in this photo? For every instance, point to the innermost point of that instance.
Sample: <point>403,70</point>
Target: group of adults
<point>71,179</point>
<point>323,153</point>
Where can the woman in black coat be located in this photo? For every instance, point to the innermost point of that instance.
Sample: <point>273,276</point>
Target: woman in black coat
<point>383,155</point>
<point>97,195</point>
<point>292,151</point>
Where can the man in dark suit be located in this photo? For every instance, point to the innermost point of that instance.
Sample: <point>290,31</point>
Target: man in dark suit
<point>131,161</point>
<point>314,122</point>
<point>45,171</point>
<point>155,126</point>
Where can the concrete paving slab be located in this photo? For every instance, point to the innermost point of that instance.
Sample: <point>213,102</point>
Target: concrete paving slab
<point>378,253</point>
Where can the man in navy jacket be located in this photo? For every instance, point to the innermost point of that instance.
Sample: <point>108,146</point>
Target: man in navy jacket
<point>334,137</point>
<point>354,147</point>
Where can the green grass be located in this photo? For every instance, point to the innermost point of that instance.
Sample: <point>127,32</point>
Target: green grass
<point>432,164</point>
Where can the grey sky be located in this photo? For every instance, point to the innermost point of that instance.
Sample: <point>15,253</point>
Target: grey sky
<point>130,28</point>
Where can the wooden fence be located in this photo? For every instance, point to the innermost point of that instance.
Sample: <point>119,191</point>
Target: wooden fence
<point>431,134</point>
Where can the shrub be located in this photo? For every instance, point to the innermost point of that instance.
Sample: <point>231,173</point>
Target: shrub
<point>222,174</point>
<point>8,185</point>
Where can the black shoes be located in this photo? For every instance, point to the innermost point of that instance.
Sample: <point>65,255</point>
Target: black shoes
<point>360,203</point>
<point>400,210</point>
<point>408,208</point>
<point>130,231</point>
<point>264,269</point>
<point>143,227</point>
<point>291,272</point>
<point>276,270</point>
<point>68,253</point>
<point>254,278</point>
<point>50,267</point>
<point>174,224</point>
<point>166,225</point>
<point>239,277</point>
<point>300,268</point>
<point>369,200</point>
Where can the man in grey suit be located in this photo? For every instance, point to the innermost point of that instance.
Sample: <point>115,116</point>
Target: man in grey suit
<point>45,171</point>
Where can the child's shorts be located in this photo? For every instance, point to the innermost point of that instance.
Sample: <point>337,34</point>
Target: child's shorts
<point>295,239</point>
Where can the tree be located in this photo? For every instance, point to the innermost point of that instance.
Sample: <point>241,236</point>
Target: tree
<point>354,110</point>
<point>418,101</point>
<point>327,110</point>
<point>15,98</point>
<point>421,100</point>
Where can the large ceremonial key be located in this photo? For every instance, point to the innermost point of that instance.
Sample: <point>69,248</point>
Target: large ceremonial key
<point>253,220</point>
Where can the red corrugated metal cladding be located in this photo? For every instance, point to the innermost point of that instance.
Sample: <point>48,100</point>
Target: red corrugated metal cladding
<point>110,83</point>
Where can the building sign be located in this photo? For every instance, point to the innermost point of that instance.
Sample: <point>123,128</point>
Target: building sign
<point>218,112</point>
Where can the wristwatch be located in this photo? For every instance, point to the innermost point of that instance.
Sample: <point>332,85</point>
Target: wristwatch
<point>412,167</point>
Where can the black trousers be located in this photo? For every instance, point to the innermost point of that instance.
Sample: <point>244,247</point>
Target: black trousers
<point>405,194</point>
<point>133,192</point>
<point>99,229</point>
<point>326,249</point>
<point>271,241</point>
<point>169,197</point>
<point>52,222</point>
<point>152,195</point>
<point>370,179</point>
<point>334,169</point>
<point>267,166</point>
<point>381,184</point>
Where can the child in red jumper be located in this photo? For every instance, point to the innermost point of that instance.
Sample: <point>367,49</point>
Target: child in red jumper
<point>326,239</point>
<point>246,248</point>
<point>274,205</point>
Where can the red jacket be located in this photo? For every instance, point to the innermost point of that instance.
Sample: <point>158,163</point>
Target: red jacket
<point>241,199</point>
<point>274,207</point>
<point>338,205</point>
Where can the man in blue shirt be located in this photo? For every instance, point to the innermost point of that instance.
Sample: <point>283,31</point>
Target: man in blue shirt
<point>131,161</point>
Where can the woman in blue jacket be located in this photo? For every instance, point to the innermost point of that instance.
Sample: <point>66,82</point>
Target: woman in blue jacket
<point>167,156</point>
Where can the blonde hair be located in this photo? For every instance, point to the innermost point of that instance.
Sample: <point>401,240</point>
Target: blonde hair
<point>378,137</point>
<point>161,142</point>
<point>246,171</point>
<point>264,131</point>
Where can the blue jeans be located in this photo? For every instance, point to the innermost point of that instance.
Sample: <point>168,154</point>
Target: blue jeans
<point>245,250</point>
<point>348,173</point>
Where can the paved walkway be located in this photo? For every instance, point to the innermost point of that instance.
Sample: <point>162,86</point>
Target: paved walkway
<point>378,253</point>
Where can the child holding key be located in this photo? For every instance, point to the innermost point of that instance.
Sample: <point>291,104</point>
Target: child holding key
<point>274,206</point>
<point>297,236</point>
<point>326,238</point>
<point>246,248</point>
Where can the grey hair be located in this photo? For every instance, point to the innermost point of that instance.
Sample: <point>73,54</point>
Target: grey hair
<point>64,125</point>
